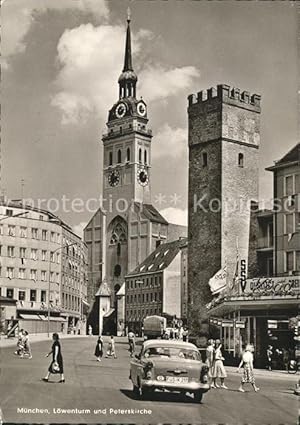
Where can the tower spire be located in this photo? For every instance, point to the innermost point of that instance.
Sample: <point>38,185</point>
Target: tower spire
<point>128,59</point>
<point>128,78</point>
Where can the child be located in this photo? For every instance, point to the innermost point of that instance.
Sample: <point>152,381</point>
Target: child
<point>111,352</point>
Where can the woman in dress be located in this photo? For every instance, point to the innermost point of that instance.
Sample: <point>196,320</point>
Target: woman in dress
<point>56,365</point>
<point>247,363</point>
<point>111,350</point>
<point>219,369</point>
<point>99,348</point>
<point>210,357</point>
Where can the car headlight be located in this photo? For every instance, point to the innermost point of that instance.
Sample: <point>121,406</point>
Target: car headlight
<point>160,378</point>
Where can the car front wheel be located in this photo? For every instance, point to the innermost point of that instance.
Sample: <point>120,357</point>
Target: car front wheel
<point>198,396</point>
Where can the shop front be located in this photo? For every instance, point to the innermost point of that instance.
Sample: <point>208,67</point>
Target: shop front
<point>260,313</point>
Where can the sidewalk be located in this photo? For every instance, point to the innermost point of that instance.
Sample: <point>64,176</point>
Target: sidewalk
<point>266,373</point>
<point>10,342</point>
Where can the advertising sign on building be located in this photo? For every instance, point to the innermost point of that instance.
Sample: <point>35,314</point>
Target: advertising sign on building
<point>286,285</point>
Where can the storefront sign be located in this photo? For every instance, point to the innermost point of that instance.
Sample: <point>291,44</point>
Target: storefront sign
<point>240,324</point>
<point>272,324</point>
<point>271,285</point>
<point>227,323</point>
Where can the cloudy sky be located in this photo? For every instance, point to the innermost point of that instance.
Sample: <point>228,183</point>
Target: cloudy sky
<point>60,63</point>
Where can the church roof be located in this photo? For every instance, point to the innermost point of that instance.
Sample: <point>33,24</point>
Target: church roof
<point>150,212</point>
<point>293,156</point>
<point>159,259</point>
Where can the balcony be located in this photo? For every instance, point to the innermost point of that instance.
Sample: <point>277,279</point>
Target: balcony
<point>116,132</point>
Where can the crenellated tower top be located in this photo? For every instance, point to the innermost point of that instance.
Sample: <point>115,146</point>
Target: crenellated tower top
<point>227,94</point>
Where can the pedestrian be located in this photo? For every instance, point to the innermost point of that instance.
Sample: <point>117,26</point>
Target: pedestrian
<point>56,366</point>
<point>185,334</point>
<point>210,357</point>
<point>26,344</point>
<point>218,369</point>
<point>20,345</point>
<point>131,342</point>
<point>111,351</point>
<point>99,348</point>
<point>269,357</point>
<point>247,364</point>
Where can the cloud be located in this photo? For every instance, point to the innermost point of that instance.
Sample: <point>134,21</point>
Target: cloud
<point>17,16</point>
<point>78,228</point>
<point>170,142</point>
<point>159,82</point>
<point>175,215</point>
<point>91,60</point>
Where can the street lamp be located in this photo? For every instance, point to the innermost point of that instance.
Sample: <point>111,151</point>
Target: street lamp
<point>49,278</point>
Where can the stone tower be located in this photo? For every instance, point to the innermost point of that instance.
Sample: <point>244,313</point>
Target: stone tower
<point>224,137</point>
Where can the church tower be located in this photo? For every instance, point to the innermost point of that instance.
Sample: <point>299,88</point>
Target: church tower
<point>127,144</point>
<point>224,137</point>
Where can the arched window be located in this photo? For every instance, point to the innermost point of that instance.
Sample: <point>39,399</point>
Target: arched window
<point>145,157</point>
<point>204,159</point>
<point>140,155</point>
<point>241,160</point>
<point>119,156</point>
<point>110,158</point>
<point>128,154</point>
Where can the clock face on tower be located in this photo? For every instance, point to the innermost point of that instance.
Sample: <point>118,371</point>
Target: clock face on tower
<point>114,178</point>
<point>121,110</point>
<point>141,109</point>
<point>142,177</point>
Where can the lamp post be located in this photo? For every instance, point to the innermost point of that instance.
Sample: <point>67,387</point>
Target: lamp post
<point>49,279</point>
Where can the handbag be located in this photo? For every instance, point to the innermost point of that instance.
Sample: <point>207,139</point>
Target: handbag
<point>55,367</point>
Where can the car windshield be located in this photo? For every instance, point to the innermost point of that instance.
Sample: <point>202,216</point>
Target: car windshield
<point>172,352</point>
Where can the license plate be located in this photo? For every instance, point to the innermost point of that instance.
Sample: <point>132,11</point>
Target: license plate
<point>177,380</point>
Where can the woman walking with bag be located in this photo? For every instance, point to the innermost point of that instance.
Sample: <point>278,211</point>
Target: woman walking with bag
<point>99,348</point>
<point>56,365</point>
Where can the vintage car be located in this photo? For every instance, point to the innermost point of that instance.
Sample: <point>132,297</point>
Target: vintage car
<point>169,365</point>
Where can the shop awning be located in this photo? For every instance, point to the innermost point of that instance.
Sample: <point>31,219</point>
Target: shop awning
<point>29,316</point>
<point>58,319</point>
<point>109,312</point>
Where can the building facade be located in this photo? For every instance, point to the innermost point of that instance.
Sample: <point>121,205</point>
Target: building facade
<point>35,268</point>
<point>224,138</point>
<point>262,306</point>
<point>155,286</point>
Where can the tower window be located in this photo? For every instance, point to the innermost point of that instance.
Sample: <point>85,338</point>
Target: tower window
<point>128,154</point>
<point>119,249</point>
<point>119,156</point>
<point>204,159</point>
<point>145,157</point>
<point>110,158</point>
<point>241,160</point>
<point>117,271</point>
<point>140,155</point>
